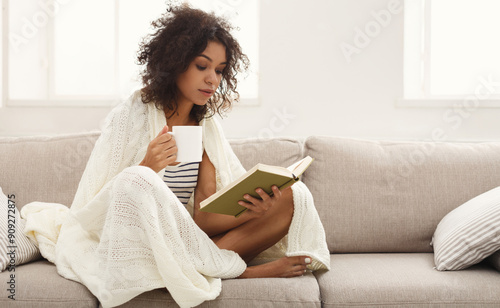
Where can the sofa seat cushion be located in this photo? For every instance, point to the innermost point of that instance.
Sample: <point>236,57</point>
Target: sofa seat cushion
<point>263,292</point>
<point>38,284</point>
<point>405,279</point>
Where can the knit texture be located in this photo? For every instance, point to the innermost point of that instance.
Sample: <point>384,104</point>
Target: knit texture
<point>126,232</point>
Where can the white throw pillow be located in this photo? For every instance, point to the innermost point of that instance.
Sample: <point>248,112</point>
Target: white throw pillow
<point>15,247</point>
<point>469,233</point>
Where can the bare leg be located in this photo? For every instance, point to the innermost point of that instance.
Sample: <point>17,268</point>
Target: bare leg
<point>255,236</point>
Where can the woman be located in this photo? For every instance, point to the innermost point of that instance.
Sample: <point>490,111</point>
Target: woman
<point>212,56</point>
<point>127,232</point>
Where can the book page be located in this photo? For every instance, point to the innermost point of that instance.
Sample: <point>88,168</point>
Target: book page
<point>299,167</point>
<point>294,166</point>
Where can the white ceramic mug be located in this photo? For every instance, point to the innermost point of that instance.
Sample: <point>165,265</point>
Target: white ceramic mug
<point>189,143</point>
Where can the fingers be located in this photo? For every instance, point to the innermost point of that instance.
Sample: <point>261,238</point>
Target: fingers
<point>276,191</point>
<point>164,140</point>
<point>251,203</point>
<point>161,151</point>
<point>172,151</point>
<point>256,205</point>
<point>163,130</point>
<point>163,136</point>
<point>260,206</point>
<point>264,196</point>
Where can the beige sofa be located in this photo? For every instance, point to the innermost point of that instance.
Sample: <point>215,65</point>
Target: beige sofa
<point>379,202</point>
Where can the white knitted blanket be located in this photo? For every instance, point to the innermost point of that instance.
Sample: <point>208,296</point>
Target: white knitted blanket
<point>126,232</point>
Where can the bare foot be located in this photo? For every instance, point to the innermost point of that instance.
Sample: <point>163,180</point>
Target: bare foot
<point>283,267</point>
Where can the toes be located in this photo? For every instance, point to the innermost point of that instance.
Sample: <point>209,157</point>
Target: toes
<point>298,273</point>
<point>299,268</point>
<point>304,260</point>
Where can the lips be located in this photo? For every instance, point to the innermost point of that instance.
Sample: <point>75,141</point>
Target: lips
<point>206,92</point>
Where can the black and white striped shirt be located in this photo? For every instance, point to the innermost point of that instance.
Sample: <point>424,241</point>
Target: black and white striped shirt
<point>182,179</point>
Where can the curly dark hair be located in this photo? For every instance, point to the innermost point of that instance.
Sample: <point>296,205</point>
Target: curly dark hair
<point>181,34</point>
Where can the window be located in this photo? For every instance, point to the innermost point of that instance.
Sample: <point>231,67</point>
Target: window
<point>451,52</point>
<point>83,52</point>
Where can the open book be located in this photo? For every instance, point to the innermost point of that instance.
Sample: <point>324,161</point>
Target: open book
<point>225,201</point>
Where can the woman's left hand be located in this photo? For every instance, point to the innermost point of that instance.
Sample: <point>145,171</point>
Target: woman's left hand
<point>258,207</point>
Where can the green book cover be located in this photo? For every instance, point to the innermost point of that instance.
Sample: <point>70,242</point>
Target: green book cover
<point>225,201</point>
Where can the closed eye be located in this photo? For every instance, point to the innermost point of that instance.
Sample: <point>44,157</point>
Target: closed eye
<point>201,68</point>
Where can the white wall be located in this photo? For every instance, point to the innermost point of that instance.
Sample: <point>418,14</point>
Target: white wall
<point>305,75</point>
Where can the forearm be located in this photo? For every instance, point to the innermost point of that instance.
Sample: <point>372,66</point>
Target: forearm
<point>212,223</point>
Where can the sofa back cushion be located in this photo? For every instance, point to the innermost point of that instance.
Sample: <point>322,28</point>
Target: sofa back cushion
<point>49,168</point>
<point>44,168</point>
<point>390,196</point>
<point>279,151</point>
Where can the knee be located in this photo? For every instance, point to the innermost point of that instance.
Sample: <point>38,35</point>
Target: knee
<point>287,201</point>
<point>284,208</point>
<point>137,176</point>
<point>139,170</point>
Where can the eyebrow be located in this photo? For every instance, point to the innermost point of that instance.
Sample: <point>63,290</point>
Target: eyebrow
<point>208,58</point>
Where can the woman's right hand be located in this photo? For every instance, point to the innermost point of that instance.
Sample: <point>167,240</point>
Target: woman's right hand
<point>161,152</point>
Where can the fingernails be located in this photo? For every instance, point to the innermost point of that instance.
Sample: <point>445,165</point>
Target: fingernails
<point>307,260</point>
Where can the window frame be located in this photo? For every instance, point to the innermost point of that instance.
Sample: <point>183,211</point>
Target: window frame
<point>424,70</point>
<point>54,100</point>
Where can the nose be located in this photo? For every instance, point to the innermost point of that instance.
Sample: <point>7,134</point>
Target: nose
<point>211,78</point>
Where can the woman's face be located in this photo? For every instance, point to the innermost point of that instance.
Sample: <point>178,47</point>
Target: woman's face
<point>203,76</point>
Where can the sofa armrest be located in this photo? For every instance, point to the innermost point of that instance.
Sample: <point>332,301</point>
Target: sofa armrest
<point>494,260</point>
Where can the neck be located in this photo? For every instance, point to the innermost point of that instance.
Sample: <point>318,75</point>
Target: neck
<point>177,119</point>
<point>180,117</point>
